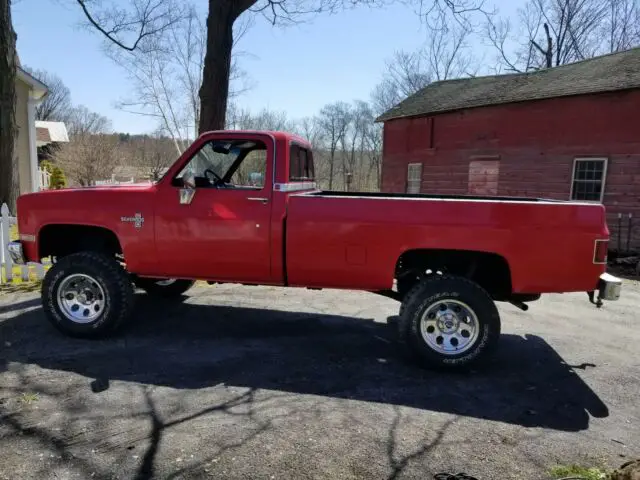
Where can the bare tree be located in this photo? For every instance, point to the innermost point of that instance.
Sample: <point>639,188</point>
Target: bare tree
<point>151,155</point>
<point>498,32</point>
<point>352,144</point>
<point>167,78</point>
<point>365,167</point>
<point>82,121</point>
<point>131,28</point>
<point>334,120</point>
<point>444,55</point>
<point>8,169</point>
<point>88,158</point>
<point>92,152</point>
<point>265,119</point>
<point>447,50</point>
<point>134,27</point>
<point>56,105</point>
<point>373,144</point>
<point>550,33</point>
<point>347,143</point>
<point>309,129</point>
<point>621,29</point>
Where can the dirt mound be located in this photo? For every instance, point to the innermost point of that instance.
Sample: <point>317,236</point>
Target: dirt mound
<point>628,471</point>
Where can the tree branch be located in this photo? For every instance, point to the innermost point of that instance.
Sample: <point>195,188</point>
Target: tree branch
<point>148,20</point>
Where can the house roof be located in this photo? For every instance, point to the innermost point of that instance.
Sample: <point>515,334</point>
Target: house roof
<point>56,131</point>
<point>42,136</point>
<point>39,88</point>
<point>618,71</point>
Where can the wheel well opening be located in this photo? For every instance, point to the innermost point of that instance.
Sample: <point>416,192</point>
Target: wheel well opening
<point>489,270</point>
<point>62,240</point>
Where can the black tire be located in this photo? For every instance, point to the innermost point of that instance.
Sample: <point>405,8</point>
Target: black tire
<point>175,289</point>
<point>107,276</point>
<point>437,289</point>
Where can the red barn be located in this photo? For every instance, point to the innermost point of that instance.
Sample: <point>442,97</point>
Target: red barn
<point>571,132</point>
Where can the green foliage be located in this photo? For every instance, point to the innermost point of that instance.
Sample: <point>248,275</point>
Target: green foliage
<point>58,179</point>
<point>565,471</point>
<point>47,166</point>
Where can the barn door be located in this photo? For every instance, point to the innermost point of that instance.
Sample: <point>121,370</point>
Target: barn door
<point>483,177</point>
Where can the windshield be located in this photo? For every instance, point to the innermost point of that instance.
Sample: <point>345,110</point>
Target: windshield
<point>217,157</point>
<point>226,164</point>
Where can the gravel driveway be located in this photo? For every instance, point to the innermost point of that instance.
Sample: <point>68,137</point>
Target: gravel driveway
<point>256,382</point>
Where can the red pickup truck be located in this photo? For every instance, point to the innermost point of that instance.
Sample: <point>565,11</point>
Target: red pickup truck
<point>242,206</point>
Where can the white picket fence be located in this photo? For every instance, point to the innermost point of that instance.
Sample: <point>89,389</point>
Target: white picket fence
<point>6,265</point>
<point>44,179</point>
<point>113,181</point>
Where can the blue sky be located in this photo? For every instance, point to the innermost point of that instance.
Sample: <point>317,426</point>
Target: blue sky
<point>297,69</point>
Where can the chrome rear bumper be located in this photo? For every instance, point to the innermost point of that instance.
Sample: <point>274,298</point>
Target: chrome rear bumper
<point>16,253</point>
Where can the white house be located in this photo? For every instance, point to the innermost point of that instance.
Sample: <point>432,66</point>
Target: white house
<point>33,133</point>
<point>29,92</point>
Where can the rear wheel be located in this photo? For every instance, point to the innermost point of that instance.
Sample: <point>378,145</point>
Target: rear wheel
<point>449,322</point>
<point>166,288</point>
<point>87,295</point>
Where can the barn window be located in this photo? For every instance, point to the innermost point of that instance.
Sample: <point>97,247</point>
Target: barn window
<point>589,175</point>
<point>414,177</point>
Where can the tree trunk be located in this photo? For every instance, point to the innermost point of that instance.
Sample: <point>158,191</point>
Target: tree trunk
<point>549,53</point>
<point>214,91</point>
<point>8,170</point>
<point>333,155</point>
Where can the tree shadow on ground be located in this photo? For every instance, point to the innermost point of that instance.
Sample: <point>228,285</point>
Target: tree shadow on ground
<point>195,346</point>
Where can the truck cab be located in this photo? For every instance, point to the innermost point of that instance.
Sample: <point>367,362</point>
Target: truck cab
<point>219,212</point>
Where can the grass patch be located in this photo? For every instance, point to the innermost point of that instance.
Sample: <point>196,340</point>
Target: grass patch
<point>13,233</point>
<point>28,398</point>
<point>575,471</point>
<point>20,287</point>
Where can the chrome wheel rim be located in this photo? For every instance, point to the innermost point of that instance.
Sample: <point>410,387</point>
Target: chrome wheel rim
<point>450,327</point>
<point>81,298</point>
<point>166,283</point>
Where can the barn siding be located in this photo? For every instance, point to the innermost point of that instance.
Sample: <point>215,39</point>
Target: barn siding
<point>535,143</point>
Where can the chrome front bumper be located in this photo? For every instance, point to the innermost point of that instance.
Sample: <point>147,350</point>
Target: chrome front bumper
<point>609,287</point>
<point>16,253</point>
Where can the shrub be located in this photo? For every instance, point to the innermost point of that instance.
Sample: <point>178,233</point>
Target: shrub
<point>58,179</point>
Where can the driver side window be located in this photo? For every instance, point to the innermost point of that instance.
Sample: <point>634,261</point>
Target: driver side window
<point>226,164</point>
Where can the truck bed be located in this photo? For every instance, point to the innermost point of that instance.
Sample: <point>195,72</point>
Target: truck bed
<point>362,235</point>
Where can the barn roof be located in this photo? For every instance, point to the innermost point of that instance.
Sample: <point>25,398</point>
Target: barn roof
<point>617,71</point>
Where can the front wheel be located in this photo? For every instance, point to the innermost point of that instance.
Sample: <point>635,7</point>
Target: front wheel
<point>87,295</point>
<point>449,322</point>
<point>165,288</point>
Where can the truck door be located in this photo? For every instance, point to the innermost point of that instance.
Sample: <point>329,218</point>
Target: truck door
<point>212,217</point>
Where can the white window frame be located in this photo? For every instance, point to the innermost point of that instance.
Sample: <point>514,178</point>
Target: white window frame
<point>410,179</point>
<point>605,160</point>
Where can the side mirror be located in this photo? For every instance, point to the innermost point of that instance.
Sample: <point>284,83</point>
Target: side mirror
<point>186,195</point>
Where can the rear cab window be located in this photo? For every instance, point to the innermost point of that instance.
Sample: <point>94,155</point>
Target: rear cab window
<point>300,164</point>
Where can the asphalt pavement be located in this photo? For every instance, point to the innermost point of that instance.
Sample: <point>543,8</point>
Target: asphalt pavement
<point>255,382</point>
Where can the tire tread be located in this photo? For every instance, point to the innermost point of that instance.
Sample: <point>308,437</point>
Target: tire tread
<point>114,276</point>
<point>416,295</point>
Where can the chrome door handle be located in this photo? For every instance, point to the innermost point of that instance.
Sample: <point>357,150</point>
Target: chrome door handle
<point>259,199</point>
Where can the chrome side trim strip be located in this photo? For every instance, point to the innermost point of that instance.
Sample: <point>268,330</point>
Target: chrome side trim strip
<point>294,186</point>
